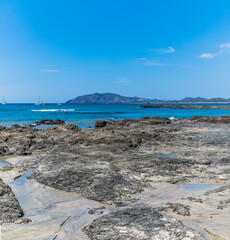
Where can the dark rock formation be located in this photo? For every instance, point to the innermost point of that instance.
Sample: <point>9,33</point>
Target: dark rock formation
<point>139,222</point>
<point>49,122</point>
<point>10,209</point>
<point>100,123</point>
<point>2,127</point>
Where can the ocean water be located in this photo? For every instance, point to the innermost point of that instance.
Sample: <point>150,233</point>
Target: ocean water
<point>85,115</point>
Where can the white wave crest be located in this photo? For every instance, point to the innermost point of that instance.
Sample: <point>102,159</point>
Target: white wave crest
<point>54,110</point>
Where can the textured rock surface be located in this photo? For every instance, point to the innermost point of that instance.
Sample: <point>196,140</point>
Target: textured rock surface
<point>139,222</point>
<point>9,206</point>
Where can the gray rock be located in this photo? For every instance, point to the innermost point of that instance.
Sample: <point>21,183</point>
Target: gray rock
<point>138,222</point>
<point>10,209</point>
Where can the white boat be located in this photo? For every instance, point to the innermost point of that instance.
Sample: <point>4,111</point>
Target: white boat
<point>39,102</point>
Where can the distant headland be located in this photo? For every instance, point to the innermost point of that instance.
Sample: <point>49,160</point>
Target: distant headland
<point>111,98</point>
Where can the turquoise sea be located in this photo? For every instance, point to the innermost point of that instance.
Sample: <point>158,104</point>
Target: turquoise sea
<point>85,115</point>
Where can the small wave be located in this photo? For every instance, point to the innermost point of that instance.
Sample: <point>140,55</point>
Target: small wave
<point>95,112</point>
<point>54,110</point>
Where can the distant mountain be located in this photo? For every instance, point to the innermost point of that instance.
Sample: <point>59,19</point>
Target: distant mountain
<point>111,98</point>
<point>190,99</point>
<point>200,99</point>
<point>106,98</point>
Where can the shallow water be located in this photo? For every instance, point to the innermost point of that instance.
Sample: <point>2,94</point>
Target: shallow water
<point>4,164</point>
<point>165,156</point>
<point>196,186</point>
<point>23,179</point>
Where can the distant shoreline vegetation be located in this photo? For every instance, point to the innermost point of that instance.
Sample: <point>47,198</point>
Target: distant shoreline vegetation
<point>111,98</point>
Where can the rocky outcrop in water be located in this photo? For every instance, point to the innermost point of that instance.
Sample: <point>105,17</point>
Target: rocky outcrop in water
<point>49,122</point>
<point>177,106</point>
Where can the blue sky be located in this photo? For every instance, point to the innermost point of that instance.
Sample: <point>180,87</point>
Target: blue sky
<point>167,49</point>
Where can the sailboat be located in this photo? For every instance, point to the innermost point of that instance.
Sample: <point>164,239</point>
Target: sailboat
<point>39,102</point>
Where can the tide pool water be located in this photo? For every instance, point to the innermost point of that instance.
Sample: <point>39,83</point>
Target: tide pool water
<point>196,186</point>
<point>85,115</point>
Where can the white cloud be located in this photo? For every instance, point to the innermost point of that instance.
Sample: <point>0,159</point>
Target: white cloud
<point>224,45</point>
<point>163,50</point>
<point>207,55</point>
<point>171,50</point>
<point>223,48</point>
<point>150,63</point>
<point>141,59</point>
<point>47,70</point>
<point>124,80</point>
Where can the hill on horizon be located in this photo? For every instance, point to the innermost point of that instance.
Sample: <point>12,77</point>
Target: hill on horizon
<point>106,98</point>
<point>112,98</point>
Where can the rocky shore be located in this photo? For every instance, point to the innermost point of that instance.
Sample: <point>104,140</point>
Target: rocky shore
<point>155,177</point>
<point>177,106</point>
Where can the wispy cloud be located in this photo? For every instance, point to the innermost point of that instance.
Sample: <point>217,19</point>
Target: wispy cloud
<point>141,59</point>
<point>48,70</point>
<point>223,48</point>
<point>207,55</point>
<point>150,62</point>
<point>123,80</point>
<point>163,50</point>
